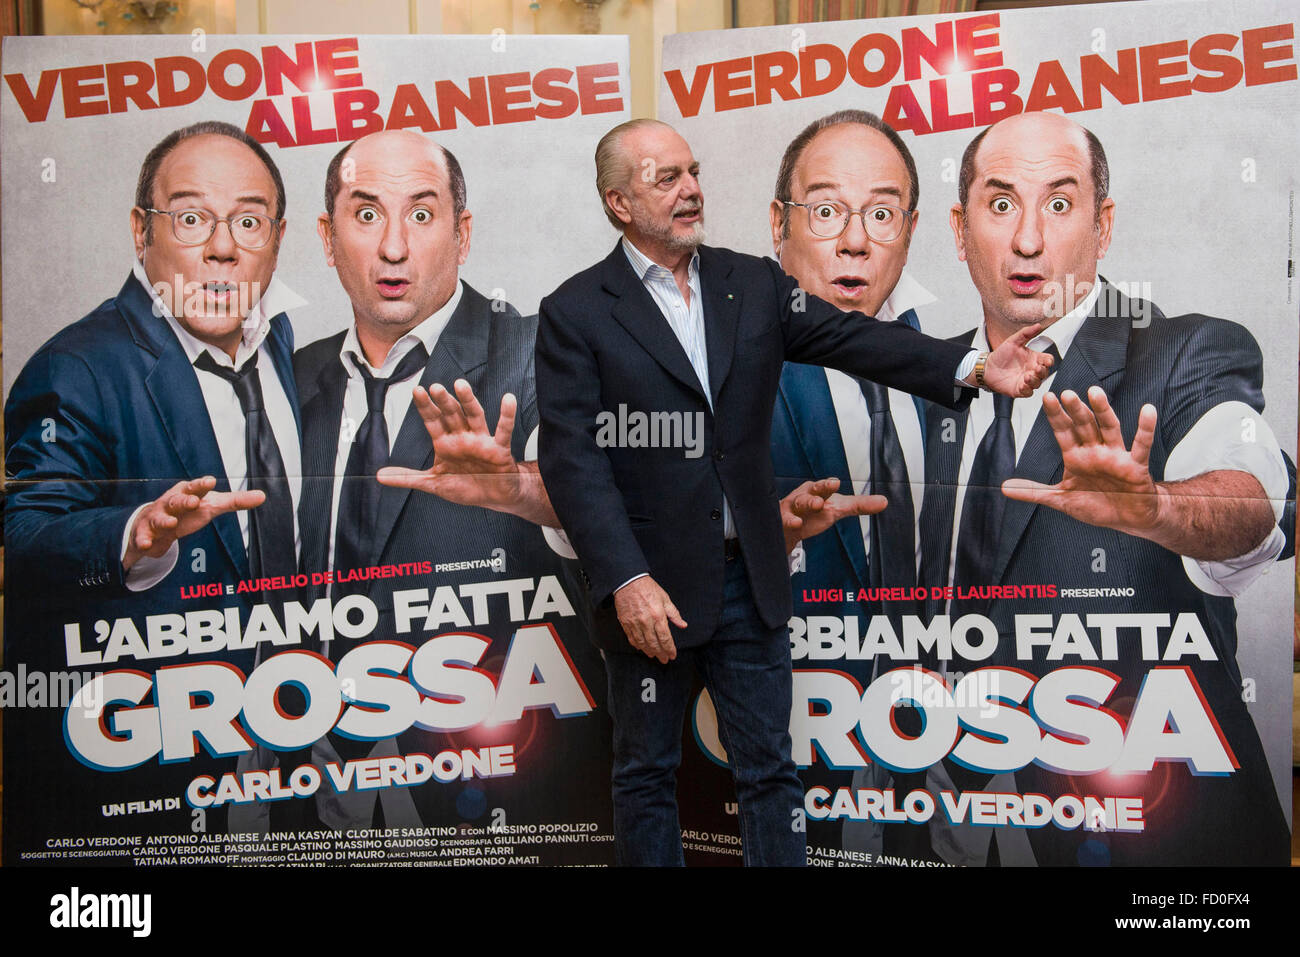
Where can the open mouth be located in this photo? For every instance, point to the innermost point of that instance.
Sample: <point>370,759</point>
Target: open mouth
<point>849,286</point>
<point>688,215</point>
<point>392,288</point>
<point>1024,283</point>
<point>219,290</point>
<point>219,299</point>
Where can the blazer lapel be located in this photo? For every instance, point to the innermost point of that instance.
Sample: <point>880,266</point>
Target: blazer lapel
<point>461,348</point>
<point>807,400</point>
<point>638,313</point>
<point>1096,357</point>
<point>322,415</point>
<point>721,314</point>
<point>942,468</point>
<point>279,342</point>
<point>178,401</point>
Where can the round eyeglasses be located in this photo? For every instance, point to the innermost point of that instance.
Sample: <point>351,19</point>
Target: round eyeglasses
<point>883,223</point>
<point>194,227</point>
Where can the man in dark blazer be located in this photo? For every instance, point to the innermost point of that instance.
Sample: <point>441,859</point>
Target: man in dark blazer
<point>129,478</point>
<point>671,538</point>
<point>1151,487</point>
<point>397,229</point>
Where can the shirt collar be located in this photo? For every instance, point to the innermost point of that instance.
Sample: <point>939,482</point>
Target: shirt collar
<point>907,294</point>
<point>256,325</point>
<point>1061,333</point>
<point>646,268</point>
<point>426,333</point>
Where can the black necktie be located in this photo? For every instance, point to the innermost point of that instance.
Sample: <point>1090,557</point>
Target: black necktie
<point>978,539</point>
<point>893,547</point>
<point>270,525</point>
<point>359,497</point>
<point>981,512</point>
<point>985,505</point>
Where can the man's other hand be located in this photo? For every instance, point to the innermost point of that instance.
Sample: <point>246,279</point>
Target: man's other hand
<point>644,610</point>
<point>815,506</point>
<point>471,466</point>
<point>182,510</point>
<point>1105,483</point>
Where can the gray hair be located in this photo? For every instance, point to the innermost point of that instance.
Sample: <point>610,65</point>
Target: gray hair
<point>613,170</point>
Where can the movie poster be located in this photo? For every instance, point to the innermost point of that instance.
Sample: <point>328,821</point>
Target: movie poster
<point>1090,687</point>
<point>336,672</point>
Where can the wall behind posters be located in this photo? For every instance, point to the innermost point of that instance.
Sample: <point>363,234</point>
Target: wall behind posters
<point>1203,182</point>
<point>78,116</point>
<point>645,24</point>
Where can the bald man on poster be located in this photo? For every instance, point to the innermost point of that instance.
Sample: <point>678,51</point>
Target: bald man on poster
<point>416,422</point>
<point>1135,449</point>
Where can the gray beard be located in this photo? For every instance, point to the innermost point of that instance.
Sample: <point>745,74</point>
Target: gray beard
<point>664,236</point>
<point>686,243</point>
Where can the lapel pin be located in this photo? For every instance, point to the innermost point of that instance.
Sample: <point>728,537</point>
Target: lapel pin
<point>730,296</point>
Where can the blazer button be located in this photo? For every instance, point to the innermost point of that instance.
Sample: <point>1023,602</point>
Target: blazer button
<point>716,514</point>
<point>719,455</point>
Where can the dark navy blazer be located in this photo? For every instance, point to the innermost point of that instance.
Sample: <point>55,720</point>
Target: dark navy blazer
<point>603,343</point>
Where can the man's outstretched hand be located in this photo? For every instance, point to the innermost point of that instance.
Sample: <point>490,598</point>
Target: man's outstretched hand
<point>1105,483</point>
<point>1216,516</point>
<point>1013,368</point>
<point>644,610</point>
<point>815,506</point>
<point>182,510</point>
<point>471,466</point>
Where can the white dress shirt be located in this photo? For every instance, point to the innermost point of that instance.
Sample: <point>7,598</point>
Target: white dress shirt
<point>227,416</point>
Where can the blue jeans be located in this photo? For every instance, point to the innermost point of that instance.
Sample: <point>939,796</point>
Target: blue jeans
<point>746,667</point>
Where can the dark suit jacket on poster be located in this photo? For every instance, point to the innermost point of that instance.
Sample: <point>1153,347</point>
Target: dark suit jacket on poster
<point>105,417</point>
<point>604,344</point>
<point>807,444</point>
<point>1184,366</point>
<point>493,351</point>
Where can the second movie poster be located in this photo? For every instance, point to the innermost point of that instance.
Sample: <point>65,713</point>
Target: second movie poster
<point>1088,664</point>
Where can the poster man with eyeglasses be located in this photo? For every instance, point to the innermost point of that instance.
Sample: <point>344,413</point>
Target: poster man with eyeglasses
<point>842,219</point>
<point>153,445</point>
